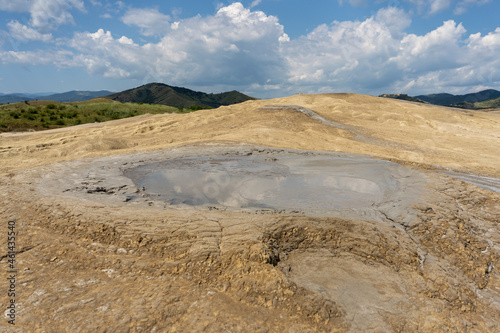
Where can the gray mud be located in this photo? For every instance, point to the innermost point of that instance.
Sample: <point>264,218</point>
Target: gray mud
<point>487,183</point>
<point>289,182</point>
<point>248,179</point>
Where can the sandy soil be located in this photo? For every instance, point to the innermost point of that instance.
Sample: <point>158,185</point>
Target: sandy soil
<point>89,260</point>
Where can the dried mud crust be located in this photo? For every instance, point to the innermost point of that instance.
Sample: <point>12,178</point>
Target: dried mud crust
<point>96,266</point>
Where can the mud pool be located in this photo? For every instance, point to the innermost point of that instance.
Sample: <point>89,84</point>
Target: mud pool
<point>288,182</point>
<point>246,179</point>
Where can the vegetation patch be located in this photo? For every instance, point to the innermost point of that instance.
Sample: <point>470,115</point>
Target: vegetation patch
<point>41,115</point>
<point>489,104</point>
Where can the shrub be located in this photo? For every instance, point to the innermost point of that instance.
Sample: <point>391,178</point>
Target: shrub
<point>51,106</point>
<point>198,107</point>
<point>131,113</point>
<point>28,116</point>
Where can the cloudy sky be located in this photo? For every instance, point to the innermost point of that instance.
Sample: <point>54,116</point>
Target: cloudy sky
<point>265,48</point>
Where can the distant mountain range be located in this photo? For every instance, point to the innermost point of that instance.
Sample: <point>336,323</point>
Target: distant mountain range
<point>489,98</point>
<point>403,97</point>
<point>159,93</point>
<point>152,93</point>
<point>450,100</point>
<point>70,96</point>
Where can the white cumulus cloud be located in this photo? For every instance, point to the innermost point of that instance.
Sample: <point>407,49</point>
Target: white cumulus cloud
<point>236,46</point>
<point>150,20</point>
<point>463,5</point>
<point>47,15</point>
<point>255,3</point>
<point>15,6</point>
<point>348,53</point>
<point>439,5</point>
<point>25,33</point>
<point>64,59</point>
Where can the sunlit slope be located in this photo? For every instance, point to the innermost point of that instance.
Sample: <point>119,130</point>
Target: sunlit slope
<point>353,123</point>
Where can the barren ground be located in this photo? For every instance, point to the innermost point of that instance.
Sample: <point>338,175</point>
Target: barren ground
<point>90,260</point>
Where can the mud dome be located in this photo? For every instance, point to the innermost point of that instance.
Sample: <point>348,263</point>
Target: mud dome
<point>252,179</point>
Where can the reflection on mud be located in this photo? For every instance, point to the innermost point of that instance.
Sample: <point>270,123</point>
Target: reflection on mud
<point>291,182</point>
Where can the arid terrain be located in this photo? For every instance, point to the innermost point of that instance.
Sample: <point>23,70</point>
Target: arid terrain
<point>408,247</point>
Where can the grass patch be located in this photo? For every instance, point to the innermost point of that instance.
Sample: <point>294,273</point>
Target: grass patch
<point>489,104</point>
<point>42,115</point>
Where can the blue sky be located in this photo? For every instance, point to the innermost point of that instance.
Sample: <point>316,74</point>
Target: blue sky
<point>265,48</point>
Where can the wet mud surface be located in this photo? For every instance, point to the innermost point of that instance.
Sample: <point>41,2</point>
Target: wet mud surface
<point>294,181</point>
<point>488,183</point>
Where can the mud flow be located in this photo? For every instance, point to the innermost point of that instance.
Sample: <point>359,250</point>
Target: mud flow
<point>293,182</point>
<point>488,183</point>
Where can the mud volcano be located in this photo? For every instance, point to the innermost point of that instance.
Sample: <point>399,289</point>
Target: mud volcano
<point>341,232</point>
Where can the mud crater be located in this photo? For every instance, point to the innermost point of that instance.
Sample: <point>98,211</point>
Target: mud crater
<point>245,178</point>
<point>289,182</point>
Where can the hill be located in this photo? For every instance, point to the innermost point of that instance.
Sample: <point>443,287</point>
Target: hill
<point>403,97</point>
<point>466,100</point>
<point>76,96</point>
<point>13,98</point>
<point>69,96</point>
<point>489,104</point>
<point>159,93</point>
<point>42,115</point>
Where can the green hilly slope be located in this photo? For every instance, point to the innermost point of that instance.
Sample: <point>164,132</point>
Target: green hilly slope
<point>159,93</point>
<point>460,100</point>
<point>40,115</point>
<point>489,104</point>
<point>403,97</point>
